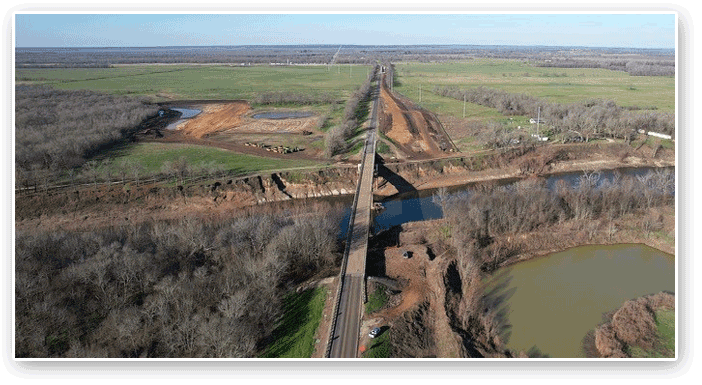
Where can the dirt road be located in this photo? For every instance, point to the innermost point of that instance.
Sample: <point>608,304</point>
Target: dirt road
<point>417,132</point>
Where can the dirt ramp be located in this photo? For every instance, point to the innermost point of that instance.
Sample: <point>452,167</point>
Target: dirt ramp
<point>214,118</point>
<point>416,131</point>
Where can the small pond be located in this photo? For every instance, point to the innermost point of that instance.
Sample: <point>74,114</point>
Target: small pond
<point>552,302</point>
<point>186,113</point>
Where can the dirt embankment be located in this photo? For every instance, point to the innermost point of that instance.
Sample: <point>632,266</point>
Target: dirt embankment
<point>115,204</point>
<point>215,118</point>
<point>431,289</point>
<point>417,132</point>
<point>517,163</point>
<point>230,125</point>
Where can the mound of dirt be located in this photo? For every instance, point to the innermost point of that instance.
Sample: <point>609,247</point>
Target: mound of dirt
<point>417,132</point>
<point>214,118</point>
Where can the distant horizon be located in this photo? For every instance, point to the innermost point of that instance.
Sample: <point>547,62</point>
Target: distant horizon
<point>613,30</point>
<point>347,45</point>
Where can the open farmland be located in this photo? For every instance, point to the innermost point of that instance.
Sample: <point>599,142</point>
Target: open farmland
<point>186,82</point>
<point>465,123</point>
<point>560,85</point>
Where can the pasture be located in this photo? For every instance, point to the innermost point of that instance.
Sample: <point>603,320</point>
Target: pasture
<point>185,82</point>
<point>559,85</point>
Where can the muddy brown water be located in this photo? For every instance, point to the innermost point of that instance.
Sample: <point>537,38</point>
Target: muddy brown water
<point>553,301</point>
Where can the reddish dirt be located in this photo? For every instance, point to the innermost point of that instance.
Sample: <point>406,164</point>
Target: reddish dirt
<point>421,279</point>
<point>229,125</point>
<point>176,136</point>
<point>214,118</point>
<point>416,132</point>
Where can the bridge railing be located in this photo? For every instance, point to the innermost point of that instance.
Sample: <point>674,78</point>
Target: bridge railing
<point>349,237</point>
<point>344,260</point>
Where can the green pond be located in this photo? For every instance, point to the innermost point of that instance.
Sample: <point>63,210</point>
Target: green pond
<point>553,301</point>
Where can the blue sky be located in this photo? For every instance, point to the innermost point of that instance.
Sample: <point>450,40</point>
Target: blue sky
<point>146,30</point>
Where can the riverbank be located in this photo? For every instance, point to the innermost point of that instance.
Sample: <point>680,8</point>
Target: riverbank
<point>517,164</point>
<point>117,203</point>
<point>435,289</point>
<point>643,327</point>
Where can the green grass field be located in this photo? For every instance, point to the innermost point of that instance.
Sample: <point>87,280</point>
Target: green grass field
<point>665,345</point>
<point>152,157</point>
<point>202,81</point>
<point>294,334</point>
<point>560,85</point>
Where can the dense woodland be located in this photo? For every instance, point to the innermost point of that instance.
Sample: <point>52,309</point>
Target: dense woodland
<point>584,121</point>
<point>638,62</point>
<point>57,130</point>
<point>479,220</point>
<point>165,289</point>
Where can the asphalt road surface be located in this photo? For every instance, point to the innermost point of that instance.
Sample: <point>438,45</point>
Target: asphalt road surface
<point>345,336</point>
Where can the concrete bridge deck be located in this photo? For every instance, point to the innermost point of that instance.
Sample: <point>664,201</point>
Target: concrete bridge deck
<point>346,326</point>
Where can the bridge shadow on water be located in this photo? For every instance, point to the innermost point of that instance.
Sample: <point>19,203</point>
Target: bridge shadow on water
<point>408,205</point>
<point>400,183</point>
<point>387,226</point>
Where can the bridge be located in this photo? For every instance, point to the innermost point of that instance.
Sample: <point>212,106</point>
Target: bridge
<point>346,322</point>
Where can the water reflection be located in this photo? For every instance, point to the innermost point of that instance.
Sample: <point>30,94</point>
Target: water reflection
<point>413,205</point>
<point>186,113</point>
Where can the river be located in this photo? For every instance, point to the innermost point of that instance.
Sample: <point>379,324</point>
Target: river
<point>419,205</point>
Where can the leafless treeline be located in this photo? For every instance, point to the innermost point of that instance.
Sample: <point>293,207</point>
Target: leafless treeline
<point>634,61</point>
<point>591,119</point>
<point>56,130</point>
<point>165,289</point>
<point>355,110</point>
<point>639,67</point>
<point>289,97</point>
<point>478,219</point>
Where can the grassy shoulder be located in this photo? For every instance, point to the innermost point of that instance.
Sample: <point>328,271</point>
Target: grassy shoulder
<point>664,346</point>
<point>377,299</point>
<point>379,347</point>
<point>294,336</point>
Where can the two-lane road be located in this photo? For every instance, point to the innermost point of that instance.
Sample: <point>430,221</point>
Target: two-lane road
<point>345,336</point>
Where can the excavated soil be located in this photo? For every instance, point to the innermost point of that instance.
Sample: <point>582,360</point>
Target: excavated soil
<point>416,132</point>
<point>229,124</point>
<point>214,118</point>
<point>419,303</point>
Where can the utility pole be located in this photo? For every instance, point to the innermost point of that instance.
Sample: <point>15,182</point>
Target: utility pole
<point>349,71</point>
<point>420,93</point>
<point>464,105</point>
<point>538,121</point>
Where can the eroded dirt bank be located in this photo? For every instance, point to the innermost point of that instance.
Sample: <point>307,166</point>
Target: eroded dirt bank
<point>120,202</point>
<point>436,287</point>
<point>516,163</point>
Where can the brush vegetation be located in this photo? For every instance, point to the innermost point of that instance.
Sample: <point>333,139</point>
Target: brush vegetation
<point>170,289</point>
